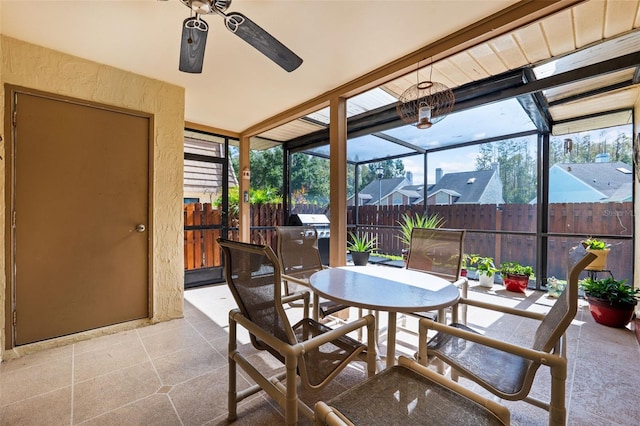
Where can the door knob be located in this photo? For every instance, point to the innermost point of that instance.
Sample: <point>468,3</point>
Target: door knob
<point>140,228</point>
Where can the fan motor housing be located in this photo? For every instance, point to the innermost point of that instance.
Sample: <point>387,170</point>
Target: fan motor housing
<point>207,7</point>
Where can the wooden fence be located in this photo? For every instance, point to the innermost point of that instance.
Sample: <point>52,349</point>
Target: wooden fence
<point>580,219</point>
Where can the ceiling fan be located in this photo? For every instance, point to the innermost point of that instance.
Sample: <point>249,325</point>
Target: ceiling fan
<point>194,36</point>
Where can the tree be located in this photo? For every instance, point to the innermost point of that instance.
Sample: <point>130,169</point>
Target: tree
<point>266,169</point>
<point>390,169</point>
<point>585,148</point>
<point>310,177</point>
<point>518,171</point>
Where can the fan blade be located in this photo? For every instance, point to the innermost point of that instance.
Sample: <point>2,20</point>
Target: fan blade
<point>253,34</point>
<point>194,39</point>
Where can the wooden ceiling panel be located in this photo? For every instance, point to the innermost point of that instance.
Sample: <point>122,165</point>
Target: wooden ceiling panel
<point>291,130</point>
<point>399,85</point>
<point>620,17</point>
<point>589,21</point>
<point>469,66</point>
<point>588,85</point>
<point>611,101</point>
<point>509,51</point>
<point>593,123</point>
<point>533,43</point>
<point>259,144</point>
<point>448,73</point>
<point>486,57</point>
<point>558,30</point>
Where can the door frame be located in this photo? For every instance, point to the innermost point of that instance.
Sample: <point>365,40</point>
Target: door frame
<point>213,275</point>
<point>11,93</point>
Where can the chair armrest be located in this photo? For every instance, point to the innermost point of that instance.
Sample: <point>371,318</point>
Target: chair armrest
<point>542,357</point>
<point>293,279</point>
<point>461,282</point>
<point>500,308</point>
<point>296,296</point>
<point>315,342</point>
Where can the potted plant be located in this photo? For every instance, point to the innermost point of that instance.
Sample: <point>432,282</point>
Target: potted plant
<point>611,301</point>
<point>600,249</point>
<point>419,221</point>
<point>360,247</point>
<point>515,276</point>
<point>465,263</point>
<point>485,268</point>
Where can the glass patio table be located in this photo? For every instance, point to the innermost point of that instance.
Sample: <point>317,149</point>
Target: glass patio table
<point>386,289</point>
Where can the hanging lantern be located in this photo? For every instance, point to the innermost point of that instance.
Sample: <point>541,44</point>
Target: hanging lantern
<point>424,104</point>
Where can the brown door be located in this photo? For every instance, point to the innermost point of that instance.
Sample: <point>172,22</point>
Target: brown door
<point>81,201</point>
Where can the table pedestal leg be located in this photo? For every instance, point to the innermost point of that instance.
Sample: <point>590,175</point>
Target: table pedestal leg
<point>391,340</point>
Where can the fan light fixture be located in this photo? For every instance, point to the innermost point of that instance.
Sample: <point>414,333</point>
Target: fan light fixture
<point>425,103</point>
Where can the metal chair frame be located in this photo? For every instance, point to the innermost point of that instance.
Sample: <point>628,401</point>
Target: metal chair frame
<point>301,348</point>
<point>299,258</point>
<point>459,347</point>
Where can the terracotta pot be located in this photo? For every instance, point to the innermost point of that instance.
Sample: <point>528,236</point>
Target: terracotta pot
<point>612,314</point>
<point>360,258</point>
<point>600,262</point>
<point>515,282</point>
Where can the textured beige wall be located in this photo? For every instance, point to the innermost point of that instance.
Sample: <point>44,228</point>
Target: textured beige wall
<point>35,67</point>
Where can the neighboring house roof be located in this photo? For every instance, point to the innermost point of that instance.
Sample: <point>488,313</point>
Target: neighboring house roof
<point>589,182</point>
<point>380,190</point>
<point>475,187</point>
<point>448,192</point>
<point>409,193</point>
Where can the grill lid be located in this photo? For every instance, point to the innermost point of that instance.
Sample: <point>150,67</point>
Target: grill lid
<point>309,219</point>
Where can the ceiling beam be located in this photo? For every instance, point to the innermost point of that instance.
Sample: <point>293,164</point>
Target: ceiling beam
<point>535,105</point>
<point>416,148</point>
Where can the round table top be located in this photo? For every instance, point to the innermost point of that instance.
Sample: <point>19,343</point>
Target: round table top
<point>384,288</point>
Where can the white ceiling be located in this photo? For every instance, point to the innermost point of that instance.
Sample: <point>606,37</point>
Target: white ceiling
<point>239,87</point>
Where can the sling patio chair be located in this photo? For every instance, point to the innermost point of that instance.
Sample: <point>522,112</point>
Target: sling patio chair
<point>438,251</point>
<point>409,394</point>
<point>309,350</point>
<point>507,369</point>
<point>299,259</point>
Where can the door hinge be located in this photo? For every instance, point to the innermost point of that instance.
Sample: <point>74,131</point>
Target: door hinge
<point>13,219</point>
<point>15,118</point>
<point>15,318</point>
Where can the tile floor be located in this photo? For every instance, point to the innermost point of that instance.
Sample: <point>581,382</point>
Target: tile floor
<point>175,373</point>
